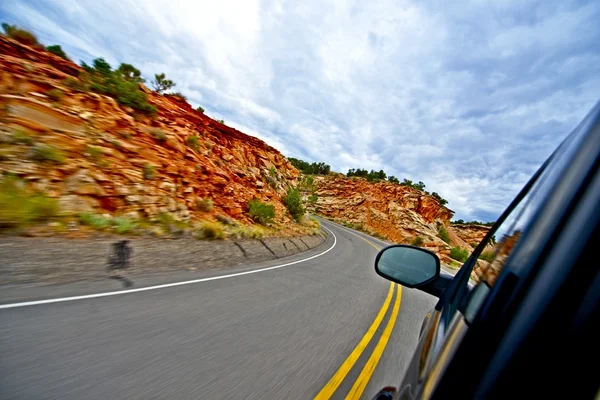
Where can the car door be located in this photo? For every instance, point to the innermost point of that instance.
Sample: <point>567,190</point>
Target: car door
<point>446,327</point>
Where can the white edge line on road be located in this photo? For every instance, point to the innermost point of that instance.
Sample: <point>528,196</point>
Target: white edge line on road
<point>166,285</point>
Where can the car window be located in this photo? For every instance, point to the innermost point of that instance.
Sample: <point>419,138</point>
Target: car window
<point>487,264</point>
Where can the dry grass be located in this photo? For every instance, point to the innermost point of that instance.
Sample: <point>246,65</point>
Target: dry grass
<point>211,230</point>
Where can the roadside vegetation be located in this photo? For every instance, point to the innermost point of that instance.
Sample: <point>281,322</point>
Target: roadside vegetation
<point>487,256</point>
<point>260,212</point>
<point>443,233</point>
<point>417,241</point>
<point>20,207</point>
<point>293,201</point>
<point>204,205</point>
<point>459,254</point>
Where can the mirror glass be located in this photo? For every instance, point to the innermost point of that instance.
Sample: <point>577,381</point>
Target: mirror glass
<point>407,265</point>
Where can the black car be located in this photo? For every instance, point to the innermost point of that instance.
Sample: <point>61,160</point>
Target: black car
<point>526,322</point>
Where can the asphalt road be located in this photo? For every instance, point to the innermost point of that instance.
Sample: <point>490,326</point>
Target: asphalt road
<point>278,333</point>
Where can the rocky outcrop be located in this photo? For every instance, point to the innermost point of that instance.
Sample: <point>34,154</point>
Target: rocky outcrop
<point>399,213</point>
<point>112,160</point>
<point>470,234</point>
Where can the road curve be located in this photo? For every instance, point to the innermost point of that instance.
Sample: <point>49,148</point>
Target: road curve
<point>279,333</point>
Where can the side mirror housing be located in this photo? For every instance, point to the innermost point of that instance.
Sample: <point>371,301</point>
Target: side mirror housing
<point>413,267</point>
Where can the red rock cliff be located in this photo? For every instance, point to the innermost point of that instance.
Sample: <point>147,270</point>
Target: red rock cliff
<point>397,212</point>
<point>470,234</point>
<point>122,163</point>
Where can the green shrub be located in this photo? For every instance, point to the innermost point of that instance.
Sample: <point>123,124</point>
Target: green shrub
<point>487,256</point>
<point>293,201</point>
<point>58,51</point>
<point>247,232</point>
<point>20,35</point>
<point>255,232</point>
<point>316,222</point>
<point>130,73</point>
<point>315,168</point>
<point>418,241</point>
<point>180,95</point>
<point>204,205</point>
<point>158,134</point>
<point>221,121</point>
<point>200,109</point>
<point>149,172</point>
<point>260,212</point>
<point>272,172</point>
<point>18,207</point>
<point>165,219</point>
<point>443,233</point>
<point>192,141</point>
<point>439,198</point>
<point>74,84</point>
<point>307,184</point>
<point>55,94</point>
<point>120,84</point>
<point>94,220</point>
<point>272,182</point>
<point>123,225</point>
<point>47,153</point>
<point>459,254</point>
<point>224,220</point>
<point>20,137</point>
<point>212,230</point>
<point>312,199</point>
<point>95,153</point>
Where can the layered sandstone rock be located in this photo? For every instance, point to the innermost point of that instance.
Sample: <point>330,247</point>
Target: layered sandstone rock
<point>396,212</point>
<point>470,234</point>
<point>119,162</point>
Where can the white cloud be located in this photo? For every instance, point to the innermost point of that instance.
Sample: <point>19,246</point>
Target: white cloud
<point>468,97</point>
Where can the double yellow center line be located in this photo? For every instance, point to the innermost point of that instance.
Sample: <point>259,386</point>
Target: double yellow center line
<point>365,375</point>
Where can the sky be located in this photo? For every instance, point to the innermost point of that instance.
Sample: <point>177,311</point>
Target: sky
<point>469,97</point>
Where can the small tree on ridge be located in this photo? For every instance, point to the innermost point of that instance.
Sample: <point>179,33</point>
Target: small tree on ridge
<point>161,83</point>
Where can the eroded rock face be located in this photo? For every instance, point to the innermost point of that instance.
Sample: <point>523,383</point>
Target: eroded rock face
<point>121,163</point>
<point>470,234</point>
<point>397,212</point>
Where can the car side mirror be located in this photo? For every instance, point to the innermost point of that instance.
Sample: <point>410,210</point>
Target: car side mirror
<point>413,267</point>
